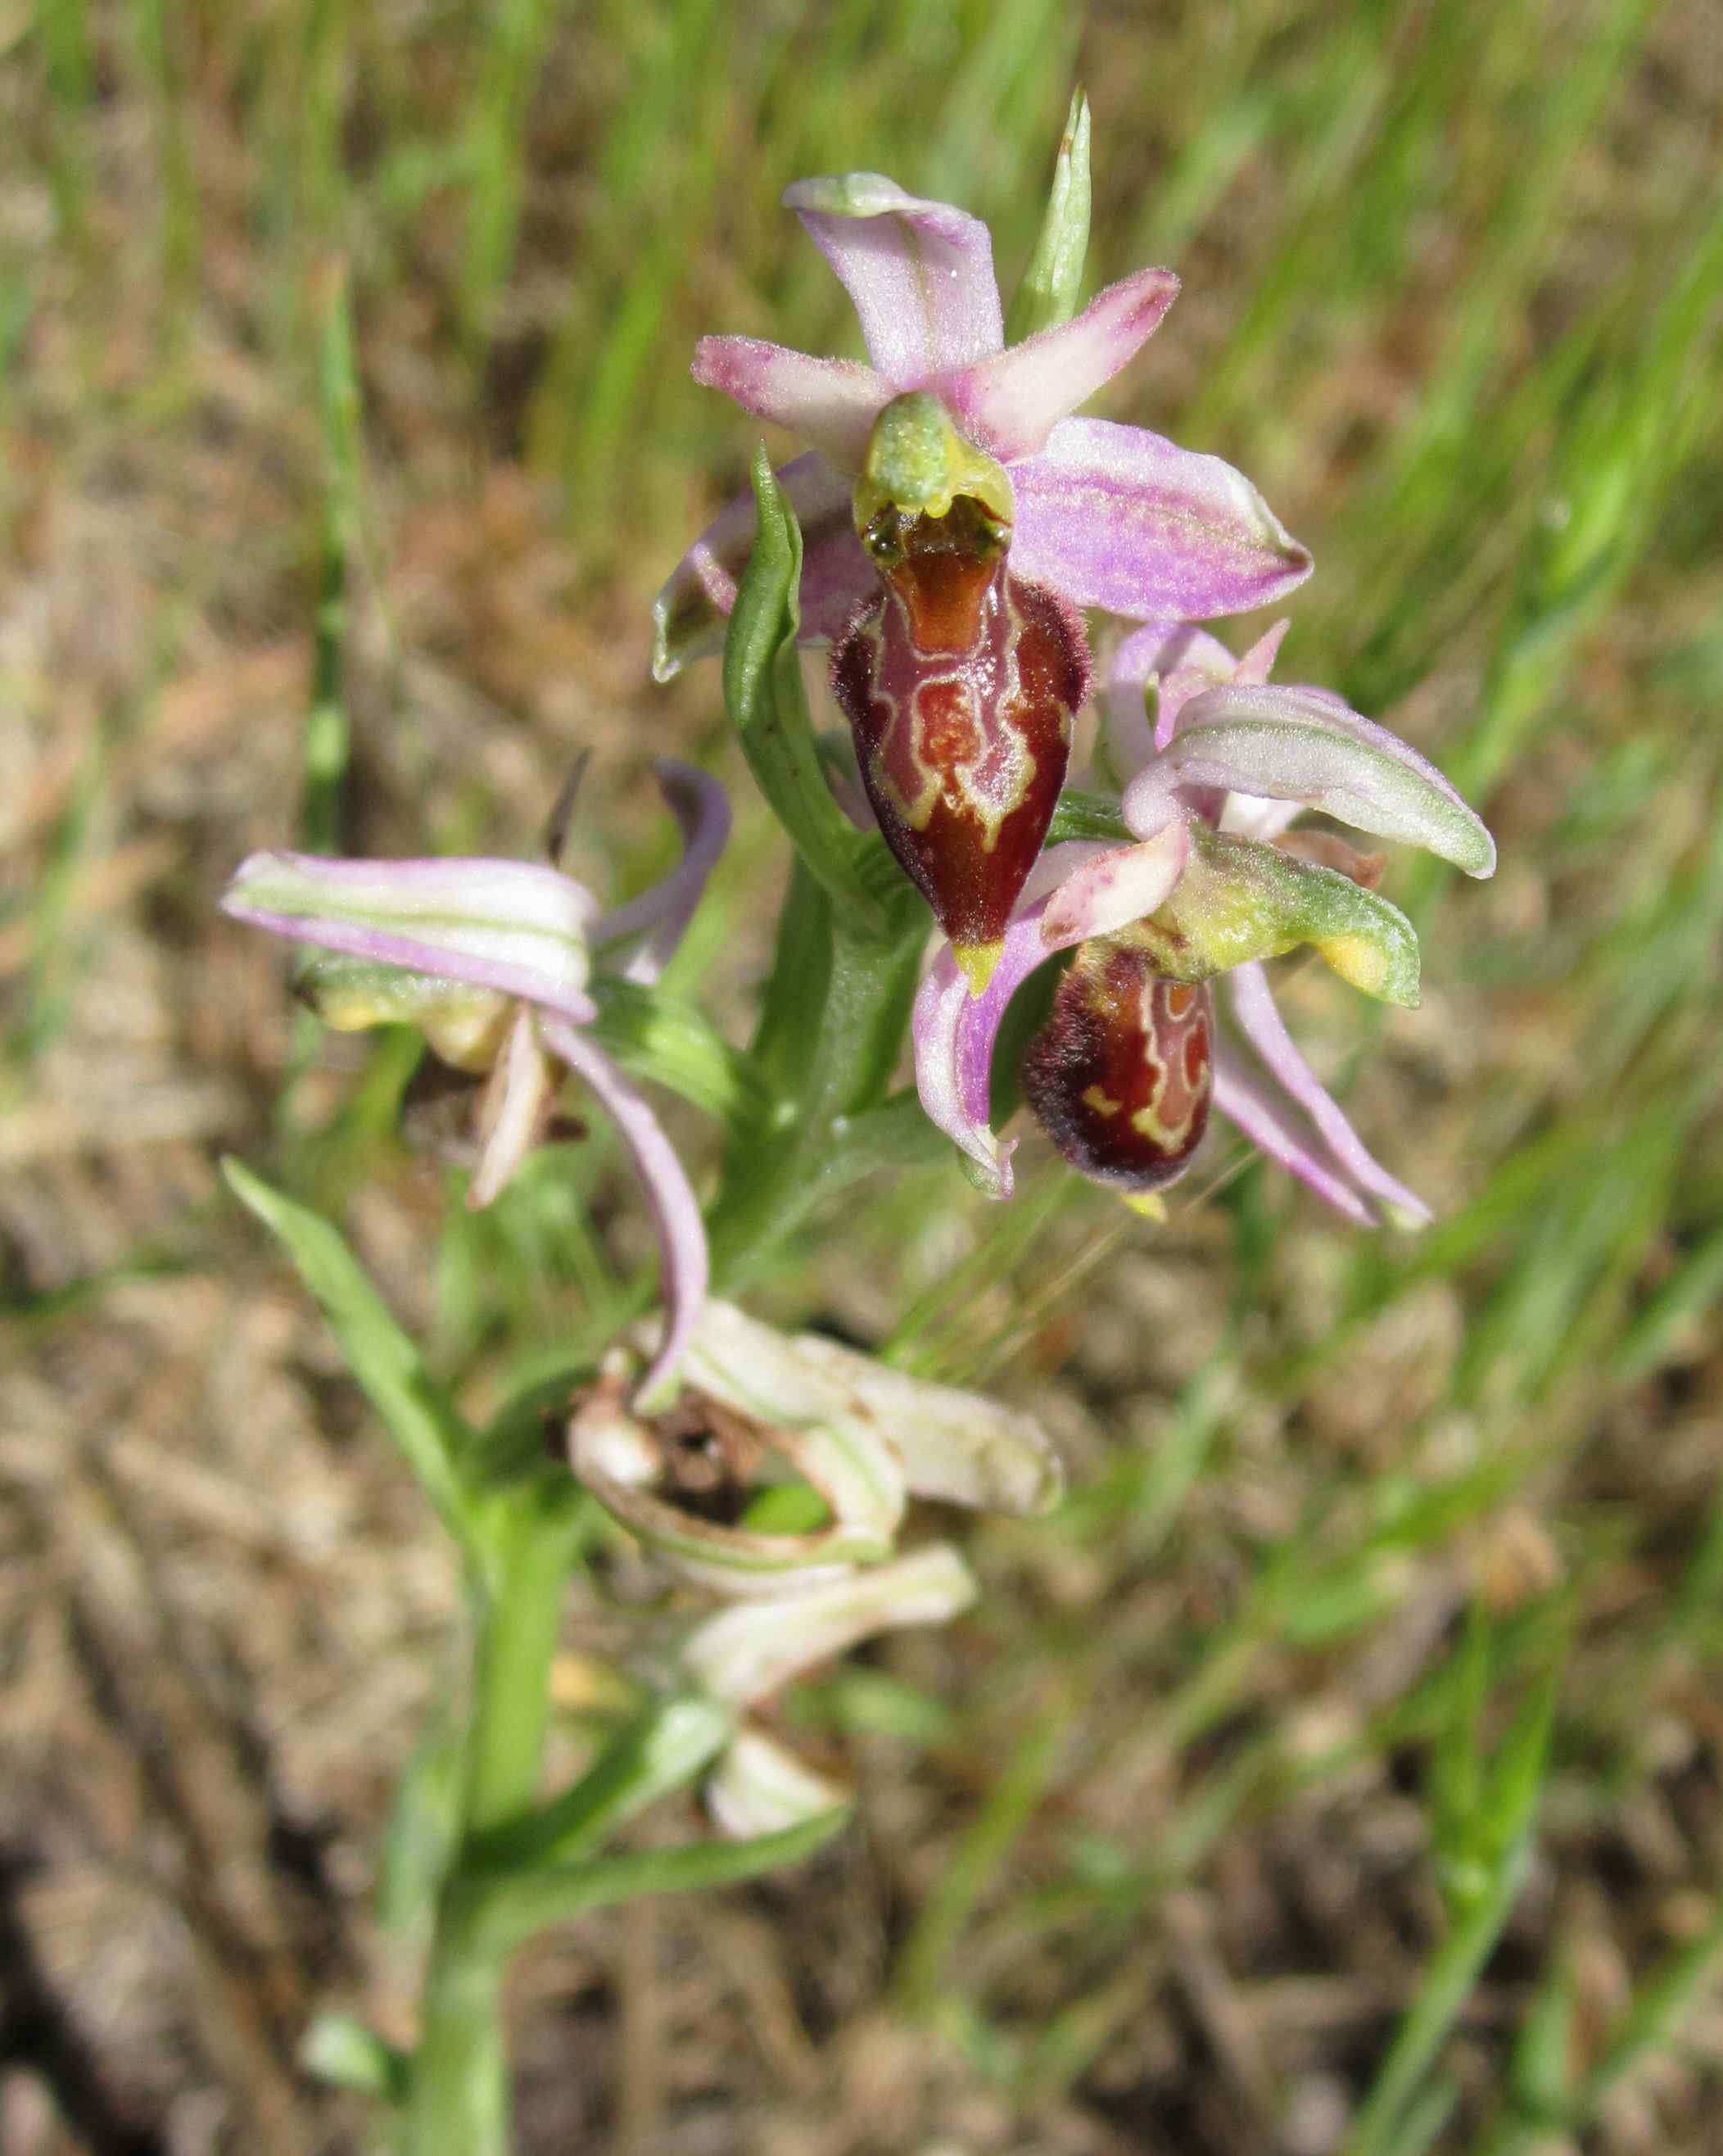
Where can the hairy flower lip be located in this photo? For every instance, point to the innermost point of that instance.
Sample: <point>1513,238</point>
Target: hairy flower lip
<point>1110,516</point>
<point>1262,1082</point>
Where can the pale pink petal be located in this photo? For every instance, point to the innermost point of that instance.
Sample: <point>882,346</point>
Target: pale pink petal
<point>1243,1098</point>
<point>1182,660</point>
<point>1253,1008</point>
<point>1254,668</point>
<point>684,1267</point>
<point>660,917</point>
<point>954,1030</point>
<point>515,926</point>
<point>1011,403</point>
<point>921,273</point>
<point>831,403</point>
<point>1124,884</point>
<point>1118,518</point>
<point>1296,745</point>
<point>691,610</point>
<point>512,1109</point>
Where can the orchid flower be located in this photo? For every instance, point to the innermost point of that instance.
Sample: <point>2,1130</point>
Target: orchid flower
<point>1213,884</point>
<point>1108,516</point>
<point>862,1438</point>
<point>954,517</point>
<point>491,960</point>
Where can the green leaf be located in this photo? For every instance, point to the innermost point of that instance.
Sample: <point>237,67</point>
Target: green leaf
<point>673,1044</point>
<point>434,1439</point>
<point>423,1824</point>
<point>1081,816</point>
<point>1047,294</point>
<point>764,696</point>
<point>661,1752</point>
<point>515,1909</point>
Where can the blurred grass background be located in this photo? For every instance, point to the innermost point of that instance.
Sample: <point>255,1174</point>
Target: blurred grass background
<point>1342,1770</point>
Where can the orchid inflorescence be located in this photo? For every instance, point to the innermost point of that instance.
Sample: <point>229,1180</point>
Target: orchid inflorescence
<point>953,537</point>
<point>956,519</point>
<point>956,523</point>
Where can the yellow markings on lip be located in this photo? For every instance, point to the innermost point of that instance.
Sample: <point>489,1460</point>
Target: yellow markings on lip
<point>1356,960</point>
<point>979,963</point>
<point>1102,1102</point>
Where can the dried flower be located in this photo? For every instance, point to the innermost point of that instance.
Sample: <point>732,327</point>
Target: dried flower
<point>861,1438</point>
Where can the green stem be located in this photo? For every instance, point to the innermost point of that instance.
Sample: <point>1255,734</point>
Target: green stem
<point>774,1178</point>
<point>458,2104</point>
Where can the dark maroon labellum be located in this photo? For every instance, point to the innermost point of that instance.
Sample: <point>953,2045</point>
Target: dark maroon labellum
<point>1121,1075</point>
<point>960,684</point>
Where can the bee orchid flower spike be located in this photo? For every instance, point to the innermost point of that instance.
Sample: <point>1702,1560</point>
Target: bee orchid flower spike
<point>956,517</point>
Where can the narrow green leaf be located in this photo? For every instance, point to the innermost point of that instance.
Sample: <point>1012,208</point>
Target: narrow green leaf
<point>661,1752</point>
<point>673,1044</point>
<point>516,1909</point>
<point>1047,294</point>
<point>434,1438</point>
<point>764,696</point>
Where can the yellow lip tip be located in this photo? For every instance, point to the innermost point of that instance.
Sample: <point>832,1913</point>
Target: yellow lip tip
<point>979,961</point>
<point>1148,1205</point>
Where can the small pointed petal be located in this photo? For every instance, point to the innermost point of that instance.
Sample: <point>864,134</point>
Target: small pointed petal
<point>513,1109</point>
<point>1118,518</point>
<point>1118,887</point>
<point>1243,1098</point>
<point>691,612</point>
<point>921,273</point>
<point>954,1032</point>
<point>759,1787</point>
<point>1181,660</point>
<point>1287,745</point>
<point>1012,402</point>
<point>745,1654</point>
<point>1254,668</point>
<point>831,402</point>
<point>675,1209</point>
<point>1251,1003</point>
<point>659,917</point>
<point>513,927</point>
